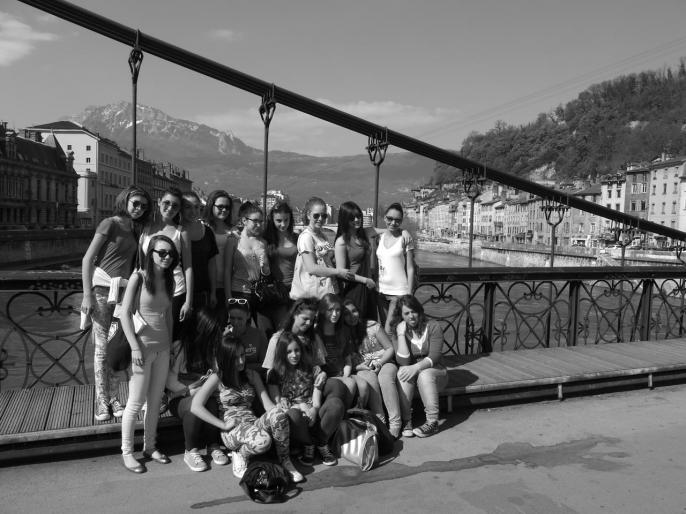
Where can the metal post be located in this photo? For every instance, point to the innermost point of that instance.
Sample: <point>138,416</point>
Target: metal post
<point>135,61</point>
<point>548,208</point>
<point>377,145</point>
<point>267,108</point>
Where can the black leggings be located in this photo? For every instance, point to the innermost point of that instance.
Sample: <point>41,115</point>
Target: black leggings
<point>331,413</point>
<point>196,433</point>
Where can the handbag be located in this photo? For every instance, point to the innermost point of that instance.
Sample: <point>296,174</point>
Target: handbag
<point>269,292</point>
<point>357,441</point>
<point>118,348</point>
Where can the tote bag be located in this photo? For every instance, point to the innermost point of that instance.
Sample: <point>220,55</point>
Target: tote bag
<point>304,284</point>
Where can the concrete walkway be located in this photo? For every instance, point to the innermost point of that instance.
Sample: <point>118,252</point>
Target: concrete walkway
<point>617,453</point>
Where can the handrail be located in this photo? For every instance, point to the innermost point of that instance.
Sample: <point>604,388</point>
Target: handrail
<point>213,69</point>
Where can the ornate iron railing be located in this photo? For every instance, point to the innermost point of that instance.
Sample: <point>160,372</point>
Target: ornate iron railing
<point>481,310</point>
<point>490,309</point>
<point>40,340</point>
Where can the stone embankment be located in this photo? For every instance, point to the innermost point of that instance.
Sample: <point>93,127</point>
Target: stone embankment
<point>516,255</point>
<point>24,249</point>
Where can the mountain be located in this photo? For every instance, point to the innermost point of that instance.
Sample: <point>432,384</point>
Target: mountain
<point>631,118</point>
<point>220,160</point>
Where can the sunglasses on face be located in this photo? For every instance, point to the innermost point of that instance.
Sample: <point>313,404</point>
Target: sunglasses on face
<point>163,253</point>
<point>390,219</point>
<point>222,206</point>
<point>136,204</point>
<point>256,221</point>
<point>167,204</point>
<point>318,215</point>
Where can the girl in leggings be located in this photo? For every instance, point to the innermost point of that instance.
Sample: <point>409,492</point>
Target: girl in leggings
<point>243,433</point>
<point>149,293</point>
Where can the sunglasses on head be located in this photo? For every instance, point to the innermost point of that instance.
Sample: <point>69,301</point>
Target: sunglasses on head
<point>137,204</point>
<point>318,215</point>
<point>163,253</point>
<point>239,301</point>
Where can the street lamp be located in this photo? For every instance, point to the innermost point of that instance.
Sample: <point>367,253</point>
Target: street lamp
<point>472,185</point>
<point>549,208</point>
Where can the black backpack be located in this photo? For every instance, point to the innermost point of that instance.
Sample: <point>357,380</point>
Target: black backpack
<point>265,482</point>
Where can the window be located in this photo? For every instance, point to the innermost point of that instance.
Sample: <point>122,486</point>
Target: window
<point>88,160</point>
<point>663,207</point>
<point>609,193</point>
<point>643,205</point>
<point>652,208</point>
<point>633,206</point>
<point>68,147</point>
<point>616,207</point>
<point>654,187</point>
<point>619,193</point>
<point>664,188</point>
<point>609,206</point>
<point>676,187</point>
<point>88,148</point>
<point>644,189</point>
<point>634,178</point>
<point>674,207</point>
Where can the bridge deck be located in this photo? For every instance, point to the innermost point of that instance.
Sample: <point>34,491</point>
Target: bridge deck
<point>66,412</point>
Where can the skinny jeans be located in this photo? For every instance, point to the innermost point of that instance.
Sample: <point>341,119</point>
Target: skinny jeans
<point>106,382</point>
<point>146,383</point>
<point>383,392</point>
<point>429,382</point>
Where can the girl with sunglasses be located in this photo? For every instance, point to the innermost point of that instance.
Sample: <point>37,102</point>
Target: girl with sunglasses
<point>395,256</point>
<point>149,292</point>
<point>353,249</point>
<point>314,273</point>
<point>245,259</point>
<point>106,267</point>
<point>167,222</point>
<point>217,215</point>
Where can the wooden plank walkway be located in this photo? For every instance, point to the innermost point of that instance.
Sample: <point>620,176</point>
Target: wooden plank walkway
<point>32,416</point>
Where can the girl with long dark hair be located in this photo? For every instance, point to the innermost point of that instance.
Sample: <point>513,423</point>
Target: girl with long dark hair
<point>149,294</point>
<point>243,433</point>
<point>106,267</point>
<point>353,249</point>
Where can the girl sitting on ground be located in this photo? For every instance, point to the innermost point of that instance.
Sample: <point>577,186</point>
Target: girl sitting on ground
<point>292,385</point>
<point>150,293</point>
<point>243,433</point>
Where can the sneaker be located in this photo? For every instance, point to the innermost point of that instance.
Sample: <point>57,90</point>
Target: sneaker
<point>164,403</point>
<point>240,464</point>
<point>218,456</point>
<point>407,429</point>
<point>195,461</point>
<point>307,457</point>
<point>102,410</point>
<point>295,475</point>
<point>328,458</point>
<point>427,429</point>
<point>117,408</point>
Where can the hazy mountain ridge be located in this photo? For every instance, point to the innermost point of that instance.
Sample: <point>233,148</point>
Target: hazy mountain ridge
<point>218,159</point>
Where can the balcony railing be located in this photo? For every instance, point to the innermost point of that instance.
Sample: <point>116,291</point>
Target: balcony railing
<point>481,310</point>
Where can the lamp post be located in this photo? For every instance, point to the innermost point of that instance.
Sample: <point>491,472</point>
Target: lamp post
<point>549,208</point>
<point>472,185</point>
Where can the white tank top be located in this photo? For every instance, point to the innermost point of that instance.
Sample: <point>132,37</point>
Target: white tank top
<point>392,274</point>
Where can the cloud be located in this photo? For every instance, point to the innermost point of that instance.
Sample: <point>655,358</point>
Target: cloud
<point>225,34</point>
<point>17,39</point>
<point>294,131</point>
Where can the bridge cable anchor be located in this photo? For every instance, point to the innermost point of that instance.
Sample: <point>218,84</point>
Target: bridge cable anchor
<point>377,145</point>
<point>266,110</point>
<point>135,61</point>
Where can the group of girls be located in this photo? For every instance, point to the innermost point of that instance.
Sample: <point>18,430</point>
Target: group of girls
<point>189,274</point>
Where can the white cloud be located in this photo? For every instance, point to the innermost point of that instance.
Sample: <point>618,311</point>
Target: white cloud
<point>17,39</point>
<point>297,132</point>
<point>225,34</point>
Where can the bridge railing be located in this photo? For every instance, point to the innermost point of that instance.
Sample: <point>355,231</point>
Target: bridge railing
<point>481,310</point>
<point>493,309</point>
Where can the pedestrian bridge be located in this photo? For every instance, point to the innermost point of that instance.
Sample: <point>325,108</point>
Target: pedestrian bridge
<point>510,335</point>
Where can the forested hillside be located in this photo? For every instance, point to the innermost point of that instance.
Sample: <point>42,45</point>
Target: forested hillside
<point>629,119</point>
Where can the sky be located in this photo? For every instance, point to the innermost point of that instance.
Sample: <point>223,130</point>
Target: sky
<point>432,69</point>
